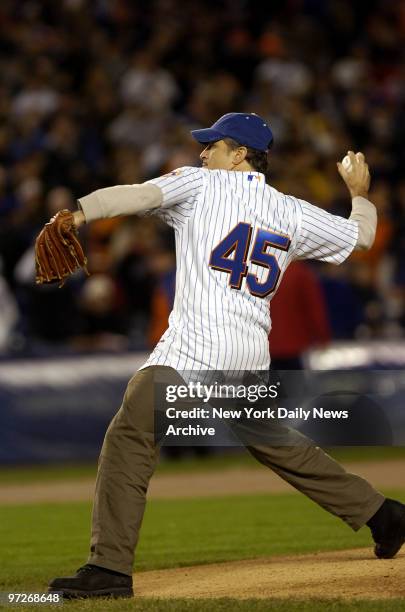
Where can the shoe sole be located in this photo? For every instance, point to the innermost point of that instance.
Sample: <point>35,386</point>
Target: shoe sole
<point>388,552</point>
<point>77,594</point>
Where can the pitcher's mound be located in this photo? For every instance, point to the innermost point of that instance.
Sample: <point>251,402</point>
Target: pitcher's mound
<point>348,574</point>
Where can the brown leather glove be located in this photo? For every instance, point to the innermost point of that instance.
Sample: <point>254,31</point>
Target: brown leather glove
<point>58,252</point>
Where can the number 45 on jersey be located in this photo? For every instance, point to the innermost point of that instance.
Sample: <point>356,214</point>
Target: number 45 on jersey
<point>230,256</point>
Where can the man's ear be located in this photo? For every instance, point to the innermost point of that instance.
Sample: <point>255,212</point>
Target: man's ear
<point>240,154</point>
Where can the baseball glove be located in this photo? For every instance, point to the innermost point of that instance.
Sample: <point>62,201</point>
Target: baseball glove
<point>58,252</point>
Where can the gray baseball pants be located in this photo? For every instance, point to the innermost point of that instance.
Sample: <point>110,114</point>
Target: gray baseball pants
<point>129,457</point>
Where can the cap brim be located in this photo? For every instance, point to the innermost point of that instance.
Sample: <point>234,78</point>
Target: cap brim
<point>206,135</point>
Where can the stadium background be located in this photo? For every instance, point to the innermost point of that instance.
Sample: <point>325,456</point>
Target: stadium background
<point>104,92</point>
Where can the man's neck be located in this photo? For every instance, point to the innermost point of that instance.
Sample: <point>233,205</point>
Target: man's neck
<point>243,167</point>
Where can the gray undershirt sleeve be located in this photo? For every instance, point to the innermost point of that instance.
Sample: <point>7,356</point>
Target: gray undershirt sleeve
<point>120,200</point>
<point>365,214</point>
<point>137,199</point>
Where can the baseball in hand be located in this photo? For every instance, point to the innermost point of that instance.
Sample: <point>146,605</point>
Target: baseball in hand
<point>347,164</point>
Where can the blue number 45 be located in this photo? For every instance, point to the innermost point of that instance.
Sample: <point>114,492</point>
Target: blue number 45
<point>230,256</point>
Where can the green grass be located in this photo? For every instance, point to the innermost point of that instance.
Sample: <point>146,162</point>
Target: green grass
<point>224,605</point>
<point>39,542</point>
<point>71,471</point>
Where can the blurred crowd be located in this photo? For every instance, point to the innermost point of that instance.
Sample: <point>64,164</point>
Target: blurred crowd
<point>102,92</point>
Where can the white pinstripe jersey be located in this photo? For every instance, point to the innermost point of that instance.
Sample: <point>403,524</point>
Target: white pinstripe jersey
<point>235,236</point>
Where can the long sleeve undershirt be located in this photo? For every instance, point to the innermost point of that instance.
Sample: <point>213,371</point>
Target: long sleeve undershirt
<point>137,199</point>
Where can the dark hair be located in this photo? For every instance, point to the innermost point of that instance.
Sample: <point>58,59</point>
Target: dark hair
<point>257,159</point>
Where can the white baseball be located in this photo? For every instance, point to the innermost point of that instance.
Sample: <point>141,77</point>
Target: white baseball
<point>347,164</point>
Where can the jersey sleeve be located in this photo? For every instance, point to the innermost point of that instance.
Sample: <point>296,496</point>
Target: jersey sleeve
<point>323,236</point>
<point>181,189</point>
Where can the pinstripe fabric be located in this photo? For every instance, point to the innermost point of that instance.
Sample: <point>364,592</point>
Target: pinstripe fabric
<point>213,326</point>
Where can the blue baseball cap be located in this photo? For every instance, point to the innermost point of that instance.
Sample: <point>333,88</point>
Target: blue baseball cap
<point>247,129</point>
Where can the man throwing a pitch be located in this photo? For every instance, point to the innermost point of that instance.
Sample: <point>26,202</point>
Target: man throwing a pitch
<point>235,237</point>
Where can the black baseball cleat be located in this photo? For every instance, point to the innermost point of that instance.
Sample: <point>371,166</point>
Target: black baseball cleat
<point>93,581</point>
<point>388,528</point>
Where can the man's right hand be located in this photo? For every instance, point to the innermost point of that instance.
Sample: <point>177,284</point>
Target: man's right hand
<point>355,174</point>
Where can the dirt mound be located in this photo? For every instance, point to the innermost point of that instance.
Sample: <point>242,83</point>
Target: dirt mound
<point>347,574</point>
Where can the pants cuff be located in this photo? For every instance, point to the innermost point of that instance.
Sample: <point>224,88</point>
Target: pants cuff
<point>368,513</point>
<point>115,567</point>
